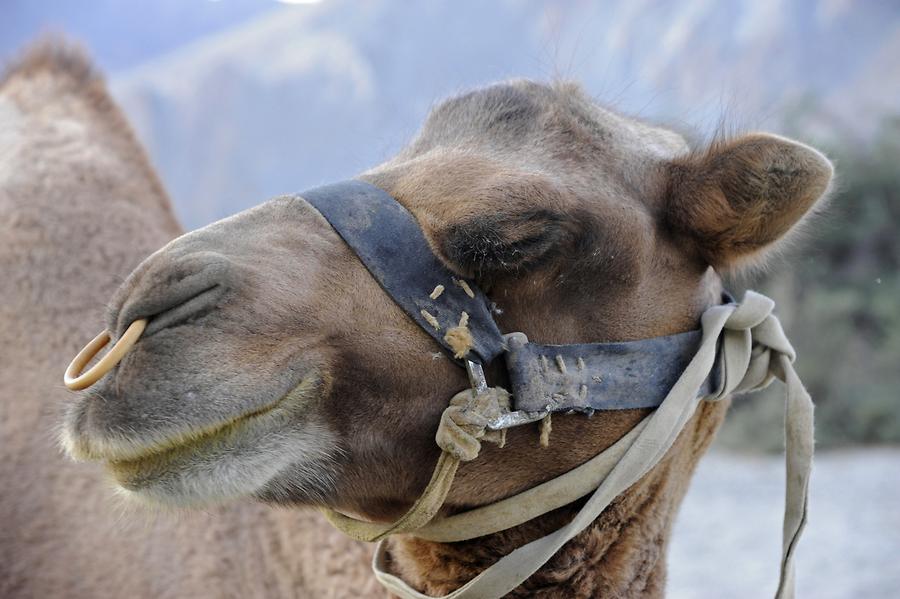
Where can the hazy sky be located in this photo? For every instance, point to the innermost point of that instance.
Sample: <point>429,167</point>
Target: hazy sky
<point>121,34</point>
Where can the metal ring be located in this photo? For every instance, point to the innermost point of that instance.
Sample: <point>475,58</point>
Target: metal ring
<point>76,381</point>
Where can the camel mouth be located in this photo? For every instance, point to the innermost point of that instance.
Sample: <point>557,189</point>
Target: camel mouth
<point>228,460</point>
<point>115,448</point>
<point>127,471</point>
<point>127,456</point>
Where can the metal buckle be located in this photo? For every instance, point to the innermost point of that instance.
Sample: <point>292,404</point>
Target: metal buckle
<point>508,420</point>
<point>476,377</point>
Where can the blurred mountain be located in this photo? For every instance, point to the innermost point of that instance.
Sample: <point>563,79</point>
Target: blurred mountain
<point>303,95</point>
<point>122,34</point>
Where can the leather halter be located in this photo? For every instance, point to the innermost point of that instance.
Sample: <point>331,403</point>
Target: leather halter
<point>739,347</point>
<point>543,379</point>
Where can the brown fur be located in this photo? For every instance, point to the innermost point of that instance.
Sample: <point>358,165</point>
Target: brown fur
<point>275,366</point>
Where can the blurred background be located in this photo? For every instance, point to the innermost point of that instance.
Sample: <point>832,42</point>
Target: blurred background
<point>241,100</point>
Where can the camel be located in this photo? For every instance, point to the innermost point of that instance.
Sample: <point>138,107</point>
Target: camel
<point>275,368</point>
<point>80,207</point>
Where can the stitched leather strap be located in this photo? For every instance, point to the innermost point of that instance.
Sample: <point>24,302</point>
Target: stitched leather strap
<point>599,376</point>
<point>390,243</point>
<point>561,378</point>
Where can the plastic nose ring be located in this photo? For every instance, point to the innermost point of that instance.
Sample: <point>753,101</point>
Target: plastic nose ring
<point>75,380</point>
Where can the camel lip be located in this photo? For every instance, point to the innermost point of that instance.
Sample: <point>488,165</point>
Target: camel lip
<point>126,452</point>
<point>161,449</point>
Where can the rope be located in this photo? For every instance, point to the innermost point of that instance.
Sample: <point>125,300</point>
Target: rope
<point>753,351</point>
<point>463,426</point>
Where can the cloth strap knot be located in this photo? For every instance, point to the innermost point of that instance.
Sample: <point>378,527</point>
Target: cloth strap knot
<point>752,341</point>
<point>464,422</point>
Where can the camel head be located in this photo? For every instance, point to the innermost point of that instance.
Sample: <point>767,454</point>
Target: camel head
<point>274,366</point>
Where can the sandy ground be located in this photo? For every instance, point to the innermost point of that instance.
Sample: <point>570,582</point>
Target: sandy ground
<point>728,536</point>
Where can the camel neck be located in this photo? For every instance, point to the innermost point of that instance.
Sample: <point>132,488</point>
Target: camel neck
<point>622,554</point>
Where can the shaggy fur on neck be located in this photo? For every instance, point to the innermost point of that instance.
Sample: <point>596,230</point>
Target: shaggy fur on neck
<point>622,554</point>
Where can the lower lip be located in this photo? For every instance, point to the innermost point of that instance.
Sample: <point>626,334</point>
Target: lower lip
<point>127,471</point>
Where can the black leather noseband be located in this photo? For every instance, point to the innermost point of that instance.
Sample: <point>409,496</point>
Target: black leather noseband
<point>558,378</point>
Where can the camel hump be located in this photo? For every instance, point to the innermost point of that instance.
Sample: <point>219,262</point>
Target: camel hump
<point>58,56</point>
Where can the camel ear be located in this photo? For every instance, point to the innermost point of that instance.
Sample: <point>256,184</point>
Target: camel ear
<point>738,198</point>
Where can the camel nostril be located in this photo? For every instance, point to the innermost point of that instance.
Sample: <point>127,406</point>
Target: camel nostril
<point>199,304</point>
<point>169,293</point>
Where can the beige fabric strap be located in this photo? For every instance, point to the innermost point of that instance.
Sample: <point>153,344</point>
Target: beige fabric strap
<point>753,350</point>
<point>534,502</point>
